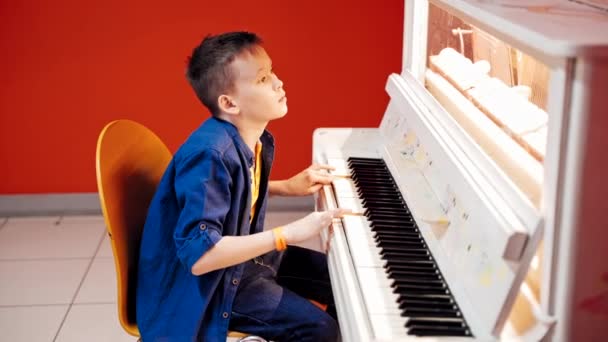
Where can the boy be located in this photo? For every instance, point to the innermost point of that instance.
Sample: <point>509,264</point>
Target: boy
<point>206,265</point>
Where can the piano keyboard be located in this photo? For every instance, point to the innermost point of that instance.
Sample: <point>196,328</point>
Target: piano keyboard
<point>404,290</point>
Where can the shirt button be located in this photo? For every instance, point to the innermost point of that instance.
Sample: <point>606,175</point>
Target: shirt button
<point>225,315</point>
<point>235,281</point>
<point>202,226</point>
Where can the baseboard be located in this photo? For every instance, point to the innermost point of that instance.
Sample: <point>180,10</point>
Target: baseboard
<point>88,204</point>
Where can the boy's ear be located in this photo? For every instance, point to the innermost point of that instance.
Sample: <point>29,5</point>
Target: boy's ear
<point>228,105</point>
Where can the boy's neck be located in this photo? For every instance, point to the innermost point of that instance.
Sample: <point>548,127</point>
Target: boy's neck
<point>250,132</point>
<point>251,135</point>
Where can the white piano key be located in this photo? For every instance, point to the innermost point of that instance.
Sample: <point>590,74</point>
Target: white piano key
<point>377,293</point>
<point>341,167</point>
<point>353,204</point>
<point>364,252</point>
<point>344,187</point>
<point>388,326</point>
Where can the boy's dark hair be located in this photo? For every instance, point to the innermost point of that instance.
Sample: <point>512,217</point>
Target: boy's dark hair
<point>209,71</point>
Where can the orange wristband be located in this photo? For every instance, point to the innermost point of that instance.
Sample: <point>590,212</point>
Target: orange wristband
<point>279,239</point>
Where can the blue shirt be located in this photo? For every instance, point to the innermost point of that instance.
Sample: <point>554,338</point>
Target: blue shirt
<point>204,194</point>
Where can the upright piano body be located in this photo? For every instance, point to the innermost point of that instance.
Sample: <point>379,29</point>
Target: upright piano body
<point>495,142</point>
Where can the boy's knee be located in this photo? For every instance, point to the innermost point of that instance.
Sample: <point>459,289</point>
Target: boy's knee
<point>326,329</point>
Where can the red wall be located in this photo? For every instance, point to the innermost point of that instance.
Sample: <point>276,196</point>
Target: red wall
<point>69,67</point>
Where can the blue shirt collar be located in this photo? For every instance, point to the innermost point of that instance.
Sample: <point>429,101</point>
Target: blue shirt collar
<point>266,139</point>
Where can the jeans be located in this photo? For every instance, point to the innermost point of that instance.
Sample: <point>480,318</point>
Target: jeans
<point>272,298</point>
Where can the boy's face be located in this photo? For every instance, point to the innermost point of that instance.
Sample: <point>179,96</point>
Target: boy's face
<point>258,92</point>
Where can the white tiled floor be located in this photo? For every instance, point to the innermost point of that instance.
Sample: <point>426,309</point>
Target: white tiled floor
<point>57,280</point>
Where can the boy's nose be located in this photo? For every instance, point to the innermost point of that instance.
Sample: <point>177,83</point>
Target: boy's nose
<point>278,84</point>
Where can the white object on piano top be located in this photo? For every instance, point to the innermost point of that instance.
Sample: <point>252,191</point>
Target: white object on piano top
<point>460,70</point>
<point>510,109</point>
<point>554,28</point>
<point>511,158</point>
<point>505,104</point>
<point>537,140</point>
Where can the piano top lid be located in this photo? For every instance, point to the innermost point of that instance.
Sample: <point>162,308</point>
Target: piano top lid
<point>554,28</point>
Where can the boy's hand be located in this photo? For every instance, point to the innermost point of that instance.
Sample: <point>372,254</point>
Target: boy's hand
<point>310,225</point>
<point>309,181</point>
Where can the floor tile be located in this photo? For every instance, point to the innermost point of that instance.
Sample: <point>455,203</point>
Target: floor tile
<point>35,219</point>
<point>93,323</point>
<point>31,323</point>
<point>105,249</point>
<point>44,239</point>
<point>36,282</point>
<point>82,219</point>
<point>99,284</point>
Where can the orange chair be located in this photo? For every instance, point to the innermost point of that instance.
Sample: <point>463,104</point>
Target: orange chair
<point>130,162</point>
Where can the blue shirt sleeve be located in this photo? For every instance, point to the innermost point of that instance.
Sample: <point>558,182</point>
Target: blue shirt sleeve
<point>202,186</point>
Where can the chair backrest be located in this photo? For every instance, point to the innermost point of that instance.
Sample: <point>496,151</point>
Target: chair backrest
<point>130,162</point>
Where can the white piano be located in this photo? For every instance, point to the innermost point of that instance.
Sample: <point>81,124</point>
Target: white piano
<point>480,203</point>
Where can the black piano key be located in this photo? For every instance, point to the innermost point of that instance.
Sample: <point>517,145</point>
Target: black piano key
<point>456,323</point>
<point>405,234</point>
<point>406,258</point>
<point>387,214</point>
<point>396,246</point>
<point>388,223</point>
<point>378,203</point>
<point>428,284</point>
<point>364,160</point>
<point>423,330</point>
<point>443,298</point>
<point>419,275</point>
<point>375,183</point>
<point>430,313</point>
<point>390,237</point>
<point>411,251</point>
<point>401,212</point>
<point>370,171</point>
<point>377,189</point>
<point>414,242</point>
<point>408,280</point>
<point>416,265</point>
<point>415,303</point>
<point>394,228</point>
<point>421,290</point>
<point>428,272</point>
<point>376,177</point>
<point>422,265</point>
<point>405,253</point>
<point>397,235</point>
<point>383,204</point>
<point>372,198</point>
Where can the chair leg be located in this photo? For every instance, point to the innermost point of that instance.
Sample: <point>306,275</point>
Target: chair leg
<point>252,338</point>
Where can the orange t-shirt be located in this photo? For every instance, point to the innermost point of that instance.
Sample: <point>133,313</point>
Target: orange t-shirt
<point>256,173</point>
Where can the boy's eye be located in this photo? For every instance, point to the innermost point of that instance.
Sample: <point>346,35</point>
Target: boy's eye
<point>263,79</point>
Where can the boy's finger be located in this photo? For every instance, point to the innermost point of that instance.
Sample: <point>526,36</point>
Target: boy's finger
<point>338,213</point>
<point>315,188</point>
<point>322,167</point>
<point>323,179</point>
